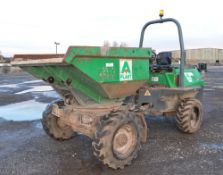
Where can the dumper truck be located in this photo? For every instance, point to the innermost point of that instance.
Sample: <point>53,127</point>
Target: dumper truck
<point>106,92</point>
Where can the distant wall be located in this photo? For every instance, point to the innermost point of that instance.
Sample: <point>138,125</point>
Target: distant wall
<point>206,55</point>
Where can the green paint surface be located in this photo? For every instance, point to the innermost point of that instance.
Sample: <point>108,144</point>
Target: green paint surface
<point>192,78</point>
<point>89,68</point>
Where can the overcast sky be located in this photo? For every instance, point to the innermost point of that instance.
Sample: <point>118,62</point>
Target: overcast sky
<point>28,26</point>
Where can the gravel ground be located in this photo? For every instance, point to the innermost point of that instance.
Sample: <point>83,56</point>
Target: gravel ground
<point>25,149</point>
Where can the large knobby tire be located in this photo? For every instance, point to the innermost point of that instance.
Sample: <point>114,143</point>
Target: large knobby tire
<point>189,115</point>
<point>53,126</point>
<point>117,139</point>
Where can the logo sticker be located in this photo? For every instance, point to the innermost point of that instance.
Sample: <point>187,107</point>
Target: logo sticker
<point>125,70</point>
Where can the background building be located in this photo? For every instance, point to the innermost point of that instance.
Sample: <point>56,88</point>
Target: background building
<point>1,57</point>
<point>203,55</point>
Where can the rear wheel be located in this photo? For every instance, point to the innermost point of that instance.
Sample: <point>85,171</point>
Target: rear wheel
<point>189,115</point>
<point>117,139</point>
<point>53,126</point>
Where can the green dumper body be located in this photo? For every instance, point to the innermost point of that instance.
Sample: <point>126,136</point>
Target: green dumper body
<point>103,74</point>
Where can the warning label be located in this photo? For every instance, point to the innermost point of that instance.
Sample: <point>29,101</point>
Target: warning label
<point>147,93</point>
<point>125,70</point>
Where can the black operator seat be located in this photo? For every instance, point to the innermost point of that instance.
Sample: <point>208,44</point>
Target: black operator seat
<point>163,62</point>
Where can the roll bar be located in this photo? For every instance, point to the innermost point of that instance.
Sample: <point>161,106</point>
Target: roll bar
<point>180,35</point>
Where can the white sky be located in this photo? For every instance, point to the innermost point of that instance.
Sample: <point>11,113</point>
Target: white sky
<point>28,26</point>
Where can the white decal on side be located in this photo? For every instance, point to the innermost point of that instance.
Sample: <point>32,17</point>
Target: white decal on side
<point>189,76</point>
<point>109,65</point>
<point>125,70</point>
<point>156,79</point>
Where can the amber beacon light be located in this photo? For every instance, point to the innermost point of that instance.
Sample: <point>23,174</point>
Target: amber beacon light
<point>161,13</point>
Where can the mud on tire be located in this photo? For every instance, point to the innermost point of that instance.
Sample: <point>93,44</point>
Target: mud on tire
<point>189,115</point>
<point>51,125</point>
<point>117,139</point>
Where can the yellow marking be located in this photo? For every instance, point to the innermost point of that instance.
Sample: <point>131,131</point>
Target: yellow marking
<point>147,93</point>
<point>161,13</point>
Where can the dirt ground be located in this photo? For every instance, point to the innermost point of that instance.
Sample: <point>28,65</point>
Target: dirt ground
<point>25,149</point>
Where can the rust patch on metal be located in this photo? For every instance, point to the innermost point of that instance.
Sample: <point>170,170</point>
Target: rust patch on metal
<point>24,57</point>
<point>122,89</point>
<point>83,119</point>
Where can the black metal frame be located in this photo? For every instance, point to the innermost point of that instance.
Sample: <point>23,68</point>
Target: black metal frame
<point>180,34</point>
<point>163,100</point>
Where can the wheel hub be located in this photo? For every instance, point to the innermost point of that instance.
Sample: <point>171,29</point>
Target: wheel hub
<point>124,141</point>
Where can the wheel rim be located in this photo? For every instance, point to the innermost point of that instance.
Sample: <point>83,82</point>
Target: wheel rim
<point>124,141</point>
<point>194,118</point>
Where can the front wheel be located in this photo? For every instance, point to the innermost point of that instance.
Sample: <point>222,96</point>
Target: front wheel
<point>189,115</point>
<point>117,139</point>
<point>53,126</point>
